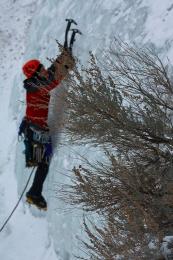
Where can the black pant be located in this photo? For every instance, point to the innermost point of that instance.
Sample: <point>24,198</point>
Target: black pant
<point>40,176</point>
<point>42,168</point>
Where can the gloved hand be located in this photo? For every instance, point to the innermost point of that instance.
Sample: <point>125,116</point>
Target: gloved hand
<point>63,64</point>
<point>66,60</point>
<point>22,127</point>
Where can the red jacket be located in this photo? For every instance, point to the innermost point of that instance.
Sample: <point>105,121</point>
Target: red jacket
<point>38,97</point>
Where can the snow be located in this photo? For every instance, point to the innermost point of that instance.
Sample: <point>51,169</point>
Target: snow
<point>28,30</point>
<point>167,247</point>
<point>26,236</point>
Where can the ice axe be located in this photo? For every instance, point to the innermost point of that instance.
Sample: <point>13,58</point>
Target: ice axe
<point>69,22</point>
<point>72,40</point>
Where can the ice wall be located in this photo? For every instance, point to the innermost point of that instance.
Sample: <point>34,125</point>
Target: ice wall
<point>37,25</point>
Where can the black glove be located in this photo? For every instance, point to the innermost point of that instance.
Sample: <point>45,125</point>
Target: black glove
<point>22,127</point>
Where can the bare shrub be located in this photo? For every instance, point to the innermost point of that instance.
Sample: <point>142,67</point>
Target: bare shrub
<point>124,105</point>
<point>112,241</point>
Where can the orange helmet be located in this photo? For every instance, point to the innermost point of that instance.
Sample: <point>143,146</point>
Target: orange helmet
<point>30,67</point>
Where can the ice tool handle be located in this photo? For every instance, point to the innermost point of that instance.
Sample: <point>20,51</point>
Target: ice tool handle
<point>69,22</point>
<point>72,40</point>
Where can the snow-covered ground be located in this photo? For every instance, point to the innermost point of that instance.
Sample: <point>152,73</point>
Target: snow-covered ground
<point>28,30</point>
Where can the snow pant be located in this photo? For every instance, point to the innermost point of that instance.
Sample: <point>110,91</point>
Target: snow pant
<point>40,176</point>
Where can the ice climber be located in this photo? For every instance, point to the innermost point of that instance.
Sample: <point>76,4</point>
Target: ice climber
<point>38,148</point>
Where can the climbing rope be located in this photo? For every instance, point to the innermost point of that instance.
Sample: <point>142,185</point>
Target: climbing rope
<point>5,223</point>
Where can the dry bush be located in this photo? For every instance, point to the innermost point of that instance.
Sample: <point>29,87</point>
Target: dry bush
<point>112,241</point>
<point>124,104</point>
<point>132,204</point>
